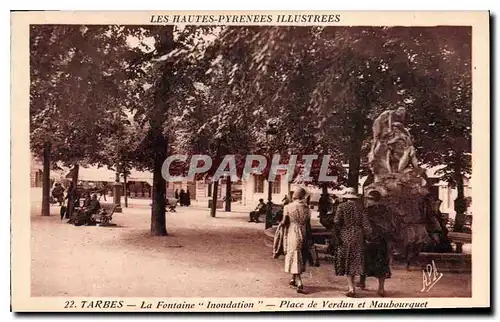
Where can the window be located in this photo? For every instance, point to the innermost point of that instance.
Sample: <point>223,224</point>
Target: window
<point>209,190</point>
<point>258,184</point>
<point>277,185</point>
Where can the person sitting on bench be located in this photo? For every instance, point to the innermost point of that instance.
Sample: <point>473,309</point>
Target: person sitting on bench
<point>93,206</point>
<point>261,209</point>
<point>83,216</point>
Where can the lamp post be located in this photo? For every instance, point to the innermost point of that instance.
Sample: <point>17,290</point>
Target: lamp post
<point>271,131</point>
<point>117,187</point>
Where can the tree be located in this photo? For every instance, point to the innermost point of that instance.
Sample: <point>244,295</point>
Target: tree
<point>75,75</point>
<point>443,133</point>
<point>272,76</point>
<point>213,122</point>
<point>335,81</point>
<point>165,76</point>
<point>323,78</point>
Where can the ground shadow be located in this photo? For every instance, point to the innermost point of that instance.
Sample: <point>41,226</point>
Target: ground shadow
<point>320,289</point>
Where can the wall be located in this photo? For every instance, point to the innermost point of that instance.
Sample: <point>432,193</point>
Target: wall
<point>448,196</point>
<point>446,193</point>
<point>249,197</point>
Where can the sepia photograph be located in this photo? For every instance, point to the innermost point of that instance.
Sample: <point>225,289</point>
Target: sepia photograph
<point>222,157</point>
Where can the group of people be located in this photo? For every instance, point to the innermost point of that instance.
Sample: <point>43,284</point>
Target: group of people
<point>184,197</point>
<point>362,236</point>
<point>261,209</point>
<point>359,244</point>
<point>71,207</point>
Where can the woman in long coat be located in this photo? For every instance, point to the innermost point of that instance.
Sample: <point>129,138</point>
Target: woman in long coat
<point>351,226</point>
<point>377,249</point>
<point>297,222</point>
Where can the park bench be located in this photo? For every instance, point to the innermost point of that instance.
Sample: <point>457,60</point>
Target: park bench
<point>104,218</point>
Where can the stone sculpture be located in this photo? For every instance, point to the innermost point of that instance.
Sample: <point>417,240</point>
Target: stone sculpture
<point>397,175</point>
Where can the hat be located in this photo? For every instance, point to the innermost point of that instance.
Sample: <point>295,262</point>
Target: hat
<point>374,195</point>
<point>300,193</point>
<point>350,193</point>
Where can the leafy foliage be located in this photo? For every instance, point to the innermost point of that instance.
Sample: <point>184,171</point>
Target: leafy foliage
<point>131,95</point>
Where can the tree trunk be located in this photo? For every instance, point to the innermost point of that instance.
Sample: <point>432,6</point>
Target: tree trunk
<point>157,118</point>
<point>215,192</point>
<point>460,202</point>
<point>228,193</point>
<point>355,152</point>
<point>215,195</point>
<point>125,189</point>
<point>74,174</point>
<point>354,165</point>
<point>71,198</point>
<point>158,219</point>
<point>46,180</point>
<point>324,189</point>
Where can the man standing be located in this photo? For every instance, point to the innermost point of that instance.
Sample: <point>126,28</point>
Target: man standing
<point>182,198</point>
<point>71,197</point>
<point>58,193</point>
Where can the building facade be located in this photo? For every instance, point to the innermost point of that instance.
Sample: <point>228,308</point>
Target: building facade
<point>256,187</point>
<point>36,173</point>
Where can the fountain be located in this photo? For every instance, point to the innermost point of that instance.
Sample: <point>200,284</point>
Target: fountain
<point>404,186</point>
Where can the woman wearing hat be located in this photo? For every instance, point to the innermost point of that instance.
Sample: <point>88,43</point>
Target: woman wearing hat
<point>297,220</point>
<point>377,248</point>
<point>351,226</point>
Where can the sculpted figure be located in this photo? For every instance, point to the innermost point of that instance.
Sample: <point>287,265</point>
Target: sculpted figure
<point>382,128</point>
<point>401,151</point>
<point>392,145</point>
<point>383,124</point>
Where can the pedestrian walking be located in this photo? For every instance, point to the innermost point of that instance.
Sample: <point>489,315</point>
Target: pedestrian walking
<point>297,223</point>
<point>377,247</point>
<point>352,226</point>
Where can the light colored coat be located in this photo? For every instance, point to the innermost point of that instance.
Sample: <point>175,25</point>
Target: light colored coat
<point>297,220</point>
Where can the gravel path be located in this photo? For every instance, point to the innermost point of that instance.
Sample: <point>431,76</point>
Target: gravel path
<point>202,257</point>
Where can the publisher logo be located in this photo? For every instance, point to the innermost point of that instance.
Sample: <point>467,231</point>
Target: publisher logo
<point>430,276</point>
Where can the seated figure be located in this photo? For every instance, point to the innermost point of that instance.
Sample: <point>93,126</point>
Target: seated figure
<point>259,210</point>
<point>84,216</point>
<point>93,205</point>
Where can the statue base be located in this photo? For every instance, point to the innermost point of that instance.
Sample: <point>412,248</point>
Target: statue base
<point>403,194</point>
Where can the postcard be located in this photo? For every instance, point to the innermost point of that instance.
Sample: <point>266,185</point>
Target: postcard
<point>258,161</point>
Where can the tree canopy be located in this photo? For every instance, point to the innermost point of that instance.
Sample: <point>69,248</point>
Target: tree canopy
<point>135,94</point>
